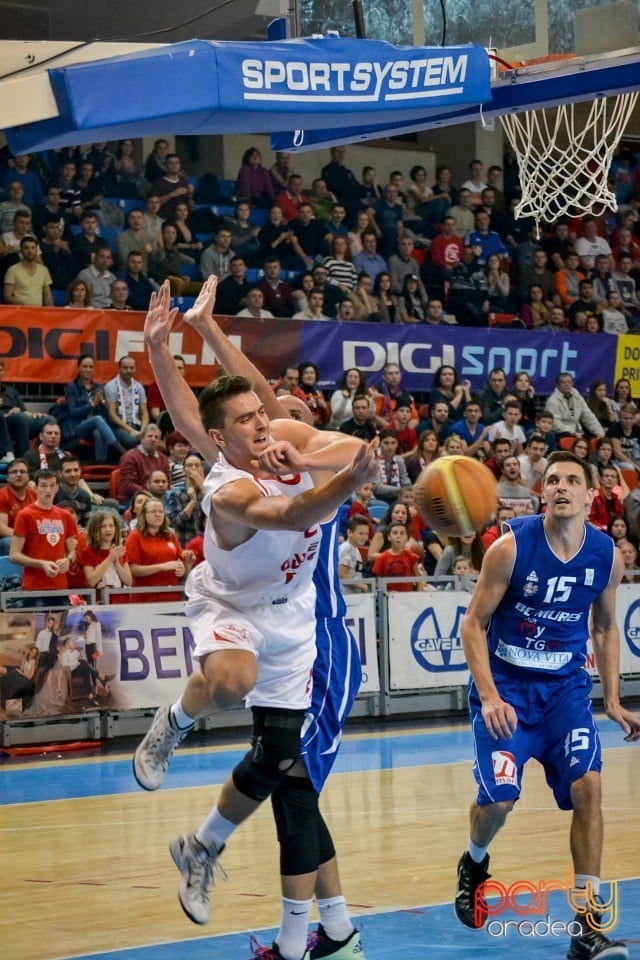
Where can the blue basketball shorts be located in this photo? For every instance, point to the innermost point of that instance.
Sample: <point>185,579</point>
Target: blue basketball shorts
<point>559,731</point>
<point>337,675</point>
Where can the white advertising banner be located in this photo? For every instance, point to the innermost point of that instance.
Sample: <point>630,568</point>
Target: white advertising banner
<point>361,619</point>
<point>425,649</point>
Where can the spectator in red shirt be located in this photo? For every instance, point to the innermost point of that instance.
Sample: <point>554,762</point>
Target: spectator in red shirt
<point>104,558</point>
<point>407,436</point>
<point>606,504</point>
<point>44,538</point>
<point>398,561</point>
<point>358,506</point>
<point>156,558</point>
<point>290,199</point>
<point>137,465</point>
<point>492,533</point>
<point>13,497</point>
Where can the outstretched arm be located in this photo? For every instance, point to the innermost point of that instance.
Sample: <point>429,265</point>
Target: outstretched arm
<point>200,317</point>
<point>178,397</point>
<point>302,447</point>
<point>606,649</point>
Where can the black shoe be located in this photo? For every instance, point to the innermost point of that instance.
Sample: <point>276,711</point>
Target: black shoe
<point>471,909</point>
<point>321,945</point>
<point>591,944</point>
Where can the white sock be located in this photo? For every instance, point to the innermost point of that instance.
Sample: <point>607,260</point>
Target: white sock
<point>214,832</point>
<point>294,926</point>
<point>180,718</point>
<point>581,882</point>
<point>335,918</point>
<point>477,853</point>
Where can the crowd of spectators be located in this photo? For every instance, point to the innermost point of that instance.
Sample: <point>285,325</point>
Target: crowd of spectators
<point>341,248</point>
<point>393,249</point>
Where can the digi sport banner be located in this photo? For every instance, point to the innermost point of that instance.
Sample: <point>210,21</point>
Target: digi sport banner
<point>42,344</point>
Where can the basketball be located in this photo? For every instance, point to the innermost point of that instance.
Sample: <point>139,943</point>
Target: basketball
<point>456,495</point>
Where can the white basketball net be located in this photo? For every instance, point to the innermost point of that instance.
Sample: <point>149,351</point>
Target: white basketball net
<point>564,164</point>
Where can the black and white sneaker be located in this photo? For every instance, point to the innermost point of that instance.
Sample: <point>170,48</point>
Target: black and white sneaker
<point>470,906</point>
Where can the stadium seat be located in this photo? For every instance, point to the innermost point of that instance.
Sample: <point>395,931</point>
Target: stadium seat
<point>227,188</point>
<point>9,569</point>
<point>259,217</point>
<point>223,211</point>
<point>191,270</point>
<point>253,274</point>
<point>182,303</point>
<point>114,484</point>
<point>630,477</point>
<point>59,297</point>
<point>566,443</point>
<point>377,509</point>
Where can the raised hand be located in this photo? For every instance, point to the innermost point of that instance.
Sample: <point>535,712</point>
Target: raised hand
<point>159,319</point>
<point>202,310</point>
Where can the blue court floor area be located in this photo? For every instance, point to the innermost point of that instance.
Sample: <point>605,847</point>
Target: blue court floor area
<point>430,933</point>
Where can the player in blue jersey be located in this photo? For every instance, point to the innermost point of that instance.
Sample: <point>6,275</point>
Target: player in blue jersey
<point>308,862</point>
<point>525,638</point>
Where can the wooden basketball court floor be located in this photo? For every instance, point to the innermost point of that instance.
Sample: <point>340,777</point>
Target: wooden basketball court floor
<point>86,870</point>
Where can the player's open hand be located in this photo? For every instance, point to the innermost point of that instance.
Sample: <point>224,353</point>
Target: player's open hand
<point>630,722</point>
<point>500,718</point>
<point>159,319</point>
<point>364,466</point>
<point>202,310</point>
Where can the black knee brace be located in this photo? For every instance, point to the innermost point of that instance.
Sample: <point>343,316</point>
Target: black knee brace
<point>305,841</point>
<point>275,747</point>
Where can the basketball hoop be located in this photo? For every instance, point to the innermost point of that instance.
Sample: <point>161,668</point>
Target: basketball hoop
<point>564,156</point>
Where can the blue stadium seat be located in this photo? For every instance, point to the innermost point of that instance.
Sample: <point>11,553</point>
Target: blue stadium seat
<point>377,509</point>
<point>227,187</point>
<point>259,217</point>
<point>191,270</point>
<point>110,234</point>
<point>9,569</point>
<point>59,298</point>
<point>182,303</point>
<point>125,203</point>
<point>223,211</point>
<point>204,238</point>
<point>253,274</point>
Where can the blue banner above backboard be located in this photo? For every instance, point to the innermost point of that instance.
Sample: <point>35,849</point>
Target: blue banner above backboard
<point>201,87</point>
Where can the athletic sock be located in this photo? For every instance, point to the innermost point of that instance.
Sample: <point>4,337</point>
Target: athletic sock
<point>294,926</point>
<point>335,918</point>
<point>477,853</point>
<point>179,717</point>
<point>581,880</point>
<point>214,832</point>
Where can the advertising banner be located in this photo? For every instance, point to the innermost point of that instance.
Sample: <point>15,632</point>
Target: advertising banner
<point>361,619</point>
<point>425,649</point>
<point>118,657</point>
<point>42,344</point>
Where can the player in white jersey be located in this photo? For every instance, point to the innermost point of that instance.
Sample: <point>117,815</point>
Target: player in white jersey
<point>236,653</point>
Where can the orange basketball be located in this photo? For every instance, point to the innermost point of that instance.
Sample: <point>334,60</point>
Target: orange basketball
<point>456,495</point>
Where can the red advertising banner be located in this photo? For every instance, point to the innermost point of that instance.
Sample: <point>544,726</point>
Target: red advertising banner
<point>42,344</point>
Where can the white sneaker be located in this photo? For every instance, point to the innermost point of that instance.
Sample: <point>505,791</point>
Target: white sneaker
<point>151,759</point>
<point>196,865</point>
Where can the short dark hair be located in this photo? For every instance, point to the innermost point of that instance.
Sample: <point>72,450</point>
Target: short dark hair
<point>566,456</point>
<point>212,399</point>
<point>357,520</point>
<point>45,475</point>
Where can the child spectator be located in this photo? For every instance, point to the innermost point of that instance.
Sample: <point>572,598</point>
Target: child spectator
<point>358,507</point>
<point>350,555</point>
<point>398,561</point>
